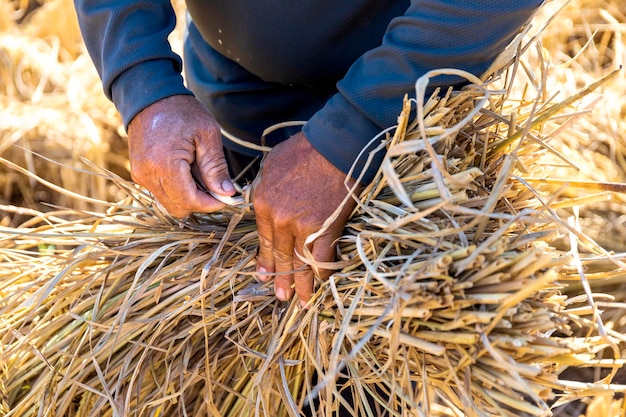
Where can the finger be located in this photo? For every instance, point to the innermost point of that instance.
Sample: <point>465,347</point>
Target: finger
<point>324,251</point>
<point>265,256</point>
<point>183,193</point>
<point>283,252</point>
<point>303,278</point>
<point>163,203</point>
<point>162,200</point>
<point>214,170</point>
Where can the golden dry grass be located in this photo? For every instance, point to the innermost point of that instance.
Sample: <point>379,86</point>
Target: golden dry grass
<point>467,305</point>
<point>52,105</point>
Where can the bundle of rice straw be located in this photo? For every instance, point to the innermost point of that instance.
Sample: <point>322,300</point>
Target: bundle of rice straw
<point>449,302</point>
<point>453,299</point>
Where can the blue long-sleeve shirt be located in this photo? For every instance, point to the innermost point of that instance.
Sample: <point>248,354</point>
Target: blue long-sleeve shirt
<point>344,66</point>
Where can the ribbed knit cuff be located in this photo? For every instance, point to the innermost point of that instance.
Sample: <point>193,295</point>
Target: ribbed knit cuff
<point>339,132</point>
<point>145,84</point>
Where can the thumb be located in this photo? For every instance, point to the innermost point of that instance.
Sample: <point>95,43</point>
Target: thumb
<point>214,172</point>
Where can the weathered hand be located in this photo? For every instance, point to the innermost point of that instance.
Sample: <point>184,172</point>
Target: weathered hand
<point>164,140</point>
<point>298,190</point>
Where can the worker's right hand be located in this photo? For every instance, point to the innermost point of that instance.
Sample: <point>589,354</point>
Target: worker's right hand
<point>164,139</point>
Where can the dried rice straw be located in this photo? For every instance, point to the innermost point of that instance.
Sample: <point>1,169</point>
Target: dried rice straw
<point>124,312</point>
<point>452,298</point>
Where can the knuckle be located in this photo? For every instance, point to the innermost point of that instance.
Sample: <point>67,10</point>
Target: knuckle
<point>265,242</point>
<point>285,224</point>
<point>282,257</point>
<point>214,165</point>
<point>261,204</point>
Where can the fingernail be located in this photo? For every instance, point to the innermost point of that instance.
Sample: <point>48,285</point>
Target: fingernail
<point>303,303</point>
<point>227,186</point>
<point>262,274</point>
<point>280,294</point>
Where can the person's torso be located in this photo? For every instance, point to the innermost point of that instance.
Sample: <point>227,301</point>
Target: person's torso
<point>301,42</point>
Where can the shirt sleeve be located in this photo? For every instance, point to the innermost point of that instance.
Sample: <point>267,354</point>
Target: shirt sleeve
<point>128,43</point>
<point>432,34</point>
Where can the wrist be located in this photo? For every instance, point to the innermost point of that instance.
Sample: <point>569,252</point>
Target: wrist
<point>143,85</point>
<point>347,145</point>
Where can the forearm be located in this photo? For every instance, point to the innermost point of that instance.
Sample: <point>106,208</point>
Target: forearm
<point>432,34</point>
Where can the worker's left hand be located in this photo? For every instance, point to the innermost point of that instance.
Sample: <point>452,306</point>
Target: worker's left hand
<point>297,191</point>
